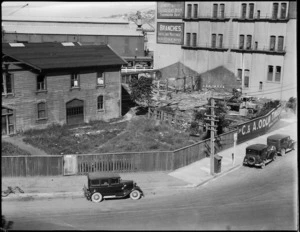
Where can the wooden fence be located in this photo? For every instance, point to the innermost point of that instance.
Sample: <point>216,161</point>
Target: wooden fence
<point>169,118</point>
<point>32,165</point>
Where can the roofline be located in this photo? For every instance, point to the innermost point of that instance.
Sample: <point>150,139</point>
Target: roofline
<point>24,62</point>
<point>116,53</point>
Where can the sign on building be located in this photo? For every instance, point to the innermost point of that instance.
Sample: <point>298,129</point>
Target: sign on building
<point>170,33</point>
<point>170,10</point>
<point>259,126</point>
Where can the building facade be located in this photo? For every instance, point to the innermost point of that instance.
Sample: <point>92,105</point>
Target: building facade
<point>256,41</point>
<point>53,83</point>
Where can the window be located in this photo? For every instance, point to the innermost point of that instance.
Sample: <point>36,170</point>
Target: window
<point>270,73</point>
<point>41,82</point>
<point>100,102</point>
<point>275,10</point>
<point>95,182</point>
<point>41,108</point>
<point>213,40</point>
<point>249,39</point>
<point>7,83</point>
<point>239,74</point>
<point>246,79</point>
<point>104,182</point>
<point>278,73</point>
<point>241,42</point>
<point>100,78</point>
<point>283,11</point>
<point>215,10</point>
<point>74,80</point>
<point>272,43</point>
<point>195,10</point>
<point>194,39</point>
<point>260,85</point>
<point>188,39</point>
<point>256,45</point>
<point>280,43</point>
<point>220,40</point>
<point>114,181</point>
<point>258,14</point>
<point>222,10</point>
<point>244,10</point>
<point>189,11</point>
<point>251,10</point>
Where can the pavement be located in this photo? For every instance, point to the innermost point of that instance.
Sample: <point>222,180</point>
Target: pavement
<point>152,183</point>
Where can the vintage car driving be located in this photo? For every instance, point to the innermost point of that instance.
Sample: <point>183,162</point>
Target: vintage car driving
<point>281,142</point>
<point>103,185</point>
<point>259,155</point>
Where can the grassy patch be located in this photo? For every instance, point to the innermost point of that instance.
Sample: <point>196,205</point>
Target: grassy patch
<point>143,134</point>
<point>8,149</point>
<point>57,139</point>
<point>140,134</point>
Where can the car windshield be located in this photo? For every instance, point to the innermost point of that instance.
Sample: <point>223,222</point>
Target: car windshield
<point>252,152</point>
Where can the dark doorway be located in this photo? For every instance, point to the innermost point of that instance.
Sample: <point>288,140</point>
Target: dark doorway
<point>75,111</point>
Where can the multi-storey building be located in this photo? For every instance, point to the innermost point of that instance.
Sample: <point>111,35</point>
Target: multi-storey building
<point>255,40</point>
<point>64,83</point>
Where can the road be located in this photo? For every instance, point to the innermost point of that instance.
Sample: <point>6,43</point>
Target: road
<point>245,199</point>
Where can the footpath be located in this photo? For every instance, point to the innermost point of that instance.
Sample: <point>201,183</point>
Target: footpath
<point>191,176</point>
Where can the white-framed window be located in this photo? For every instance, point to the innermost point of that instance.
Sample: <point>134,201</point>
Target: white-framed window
<point>41,110</point>
<point>100,78</point>
<point>75,78</point>
<point>270,73</point>
<point>278,74</point>
<point>195,10</point>
<point>41,82</point>
<point>100,102</point>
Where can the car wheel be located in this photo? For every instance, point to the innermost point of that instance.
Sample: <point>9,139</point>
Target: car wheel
<point>251,160</point>
<point>135,195</point>
<point>97,197</point>
<point>263,165</point>
<point>282,152</point>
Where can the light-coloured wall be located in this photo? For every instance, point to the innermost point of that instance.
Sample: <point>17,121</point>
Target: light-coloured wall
<point>257,63</point>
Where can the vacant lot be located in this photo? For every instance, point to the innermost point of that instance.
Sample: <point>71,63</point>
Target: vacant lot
<point>12,150</point>
<point>139,134</point>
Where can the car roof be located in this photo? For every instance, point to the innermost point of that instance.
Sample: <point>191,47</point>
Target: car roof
<point>257,146</point>
<point>277,136</point>
<point>100,175</point>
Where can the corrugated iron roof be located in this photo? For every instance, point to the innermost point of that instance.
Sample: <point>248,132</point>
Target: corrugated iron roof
<point>47,56</point>
<point>71,30</point>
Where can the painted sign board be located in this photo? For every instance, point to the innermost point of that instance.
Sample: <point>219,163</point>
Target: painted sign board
<point>170,33</point>
<point>257,127</point>
<point>170,10</point>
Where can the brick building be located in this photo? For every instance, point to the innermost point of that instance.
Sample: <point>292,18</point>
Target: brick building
<point>45,83</point>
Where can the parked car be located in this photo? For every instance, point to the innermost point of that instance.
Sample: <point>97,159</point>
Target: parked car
<point>281,142</point>
<point>103,185</point>
<point>259,155</point>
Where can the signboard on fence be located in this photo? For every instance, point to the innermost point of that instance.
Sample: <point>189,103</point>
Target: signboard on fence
<point>170,10</point>
<point>259,126</point>
<point>170,33</point>
<point>70,165</point>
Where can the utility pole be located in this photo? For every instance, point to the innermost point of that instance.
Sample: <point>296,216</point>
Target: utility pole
<point>212,129</point>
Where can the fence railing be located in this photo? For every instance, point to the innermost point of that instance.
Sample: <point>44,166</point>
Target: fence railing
<point>32,165</point>
<point>118,162</point>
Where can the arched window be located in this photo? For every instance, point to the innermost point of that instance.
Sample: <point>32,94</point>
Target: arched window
<point>100,102</point>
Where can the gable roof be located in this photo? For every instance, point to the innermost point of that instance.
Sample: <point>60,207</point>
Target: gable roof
<point>48,56</point>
